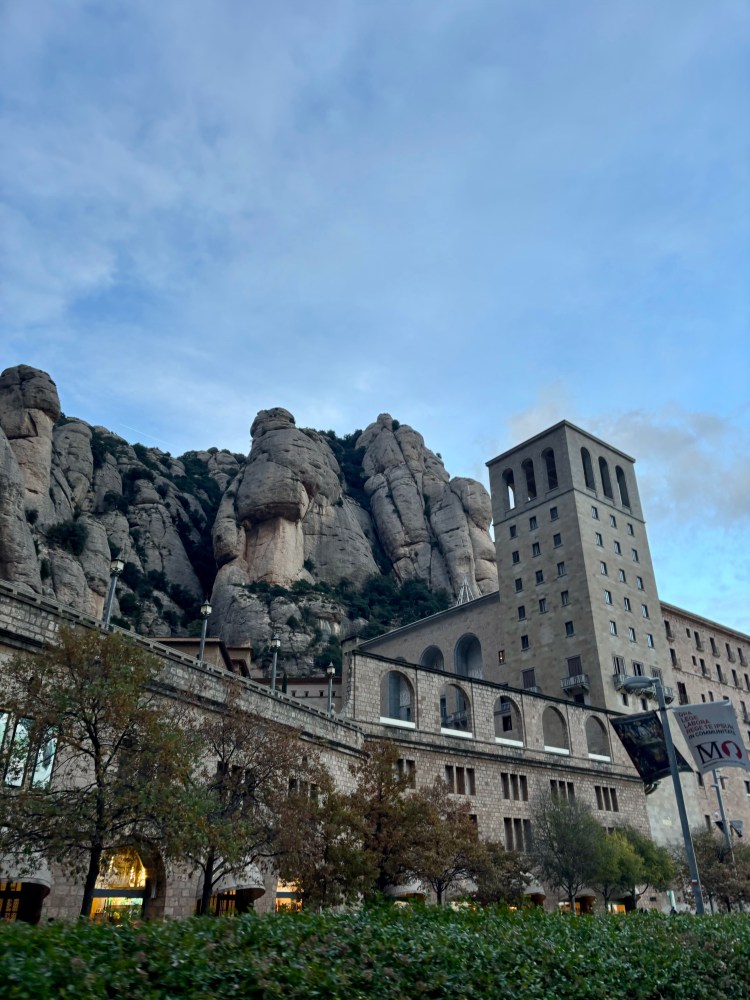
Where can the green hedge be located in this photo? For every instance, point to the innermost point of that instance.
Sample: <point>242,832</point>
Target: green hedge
<point>385,953</point>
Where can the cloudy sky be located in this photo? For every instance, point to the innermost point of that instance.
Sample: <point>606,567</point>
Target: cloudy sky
<point>481,216</point>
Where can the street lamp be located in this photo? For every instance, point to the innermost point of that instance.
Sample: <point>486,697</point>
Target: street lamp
<point>275,645</point>
<point>643,684</point>
<point>330,671</point>
<point>206,610</point>
<point>116,567</point>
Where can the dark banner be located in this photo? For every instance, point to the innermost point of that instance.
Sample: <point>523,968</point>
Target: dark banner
<point>643,738</point>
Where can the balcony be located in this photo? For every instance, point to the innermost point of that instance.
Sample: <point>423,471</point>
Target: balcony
<point>578,682</point>
<point>618,680</point>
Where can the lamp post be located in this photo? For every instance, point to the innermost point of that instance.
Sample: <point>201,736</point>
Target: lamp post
<point>330,671</point>
<point>642,684</point>
<point>116,567</point>
<point>275,644</point>
<point>205,614</point>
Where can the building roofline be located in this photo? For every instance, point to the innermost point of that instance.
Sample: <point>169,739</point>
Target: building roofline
<point>555,427</point>
<point>430,618</point>
<point>717,626</point>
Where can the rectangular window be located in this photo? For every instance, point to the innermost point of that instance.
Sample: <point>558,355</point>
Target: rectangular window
<point>557,540</point>
<point>532,523</point>
<point>569,629</point>
<point>637,669</point>
<point>634,555</point>
<point>603,568</point>
<point>598,539</point>
<point>521,612</point>
<point>539,576</point>
<point>626,603</point>
<point>618,665</point>
<point>513,531</point>
<point>704,668</point>
<point>644,610</point>
<point>45,759</point>
<point>612,521</point>
<point>553,515</point>
<point>19,753</point>
<point>565,599</point>
<point>514,787</point>
<point>682,695</point>
<point>501,656</point>
<point>606,798</point>
<point>575,666</point>
<point>519,584</point>
<point>714,647</point>
<point>720,674</point>
<point>450,779</point>
<point>649,640</point>
<point>524,642</point>
<point>673,656</point>
<point>735,679</point>
<point>613,628</point>
<point>630,528</point>
<point>460,781</point>
<point>515,556</point>
<point>607,596</point>
<point>710,696</point>
<point>505,784</point>
<point>542,605</point>
<point>536,549</point>
<point>561,569</point>
<point>639,582</point>
<point>529,678</point>
<point>407,770</point>
<point>631,634</point>
<point>524,787</point>
<point>617,548</point>
<point>595,513</point>
<point>621,576</point>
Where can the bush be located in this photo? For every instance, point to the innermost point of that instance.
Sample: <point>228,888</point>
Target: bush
<point>70,535</point>
<point>32,514</point>
<point>384,954</point>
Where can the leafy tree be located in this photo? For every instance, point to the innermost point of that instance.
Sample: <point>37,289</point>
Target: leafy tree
<point>122,758</point>
<point>657,867</point>
<point>501,876</point>
<point>565,844</point>
<point>618,866</point>
<point>725,876</point>
<point>247,763</point>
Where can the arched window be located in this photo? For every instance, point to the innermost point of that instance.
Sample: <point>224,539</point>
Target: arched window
<point>622,486</point>
<point>396,698</point>
<point>549,461</point>
<point>131,884</point>
<point>588,469</point>
<point>528,470</point>
<point>455,711</point>
<point>468,657</point>
<point>555,731</point>
<point>510,489</point>
<point>508,727</point>
<point>596,738</point>
<point>606,481</point>
<point>433,658</point>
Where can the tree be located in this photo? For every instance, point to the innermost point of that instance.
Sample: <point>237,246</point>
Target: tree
<point>566,839</point>
<point>121,758</point>
<point>618,866</point>
<point>657,867</point>
<point>501,876</point>
<point>725,876</point>
<point>245,772</point>
<point>320,843</point>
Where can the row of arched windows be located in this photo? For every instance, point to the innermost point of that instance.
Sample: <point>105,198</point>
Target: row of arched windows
<point>529,491</point>
<point>467,657</point>
<point>588,476</point>
<point>397,704</point>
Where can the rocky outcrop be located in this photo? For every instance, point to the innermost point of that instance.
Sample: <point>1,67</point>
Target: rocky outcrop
<point>283,540</point>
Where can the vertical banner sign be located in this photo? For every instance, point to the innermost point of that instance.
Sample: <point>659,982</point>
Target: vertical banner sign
<point>712,734</point>
<point>643,738</point>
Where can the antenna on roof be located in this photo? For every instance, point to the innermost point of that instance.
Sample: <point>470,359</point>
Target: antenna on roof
<point>465,594</point>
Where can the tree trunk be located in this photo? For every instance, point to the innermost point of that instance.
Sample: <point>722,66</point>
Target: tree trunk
<point>572,903</point>
<point>95,860</point>
<point>208,879</point>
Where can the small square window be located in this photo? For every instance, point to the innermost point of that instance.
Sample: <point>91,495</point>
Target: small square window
<point>603,568</point>
<point>515,556</point>
<point>524,642</point>
<point>512,531</point>
<point>634,555</point>
<point>564,597</point>
<point>569,630</point>
<point>539,575</point>
<point>542,605</point>
<point>607,596</point>
<point>598,539</point>
<point>621,576</point>
<point>630,528</point>
<point>536,549</point>
<point>521,612</point>
<point>649,640</point>
<point>561,569</point>
<point>626,603</point>
<point>519,584</point>
<point>532,523</point>
<point>631,634</point>
<point>553,515</point>
<point>595,513</point>
<point>618,548</point>
<point>639,582</point>
<point>644,610</point>
<point>613,628</point>
<point>612,521</point>
<point>557,540</point>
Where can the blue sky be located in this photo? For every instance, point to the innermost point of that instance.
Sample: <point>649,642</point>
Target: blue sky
<point>480,216</point>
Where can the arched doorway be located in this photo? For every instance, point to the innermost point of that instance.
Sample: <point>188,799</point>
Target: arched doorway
<point>130,886</point>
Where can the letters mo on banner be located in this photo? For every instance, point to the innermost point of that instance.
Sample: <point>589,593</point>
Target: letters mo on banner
<point>712,734</point>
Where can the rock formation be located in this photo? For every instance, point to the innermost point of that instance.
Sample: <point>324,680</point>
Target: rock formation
<point>276,538</point>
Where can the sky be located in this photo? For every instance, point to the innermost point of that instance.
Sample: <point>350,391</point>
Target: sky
<point>480,216</point>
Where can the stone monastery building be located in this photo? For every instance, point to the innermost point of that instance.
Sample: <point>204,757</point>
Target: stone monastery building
<point>504,696</point>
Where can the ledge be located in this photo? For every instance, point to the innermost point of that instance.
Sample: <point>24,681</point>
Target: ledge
<point>508,743</point>
<point>560,750</point>
<point>397,723</point>
<point>456,732</point>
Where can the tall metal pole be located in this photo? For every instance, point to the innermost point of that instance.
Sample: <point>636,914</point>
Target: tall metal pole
<point>116,567</point>
<point>692,863</point>
<point>330,671</point>
<point>724,825</point>
<point>206,610</point>
<point>275,643</point>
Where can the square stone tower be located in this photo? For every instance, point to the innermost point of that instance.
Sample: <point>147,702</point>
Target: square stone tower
<point>577,590</point>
